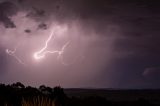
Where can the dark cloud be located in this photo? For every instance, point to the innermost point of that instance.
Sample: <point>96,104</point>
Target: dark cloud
<point>20,1</point>
<point>7,9</point>
<point>27,31</point>
<point>42,26</point>
<point>36,13</point>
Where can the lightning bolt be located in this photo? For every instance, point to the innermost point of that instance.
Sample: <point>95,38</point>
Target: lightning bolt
<point>42,53</point>
<point>12,53</point>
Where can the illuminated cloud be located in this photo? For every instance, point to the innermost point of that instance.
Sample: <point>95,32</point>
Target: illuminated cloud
<point>117,41</point>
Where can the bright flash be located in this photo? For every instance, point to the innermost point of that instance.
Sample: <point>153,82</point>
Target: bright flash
<point>42,53</point>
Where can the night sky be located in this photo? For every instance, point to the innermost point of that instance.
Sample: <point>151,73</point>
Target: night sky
<point>112,43</point>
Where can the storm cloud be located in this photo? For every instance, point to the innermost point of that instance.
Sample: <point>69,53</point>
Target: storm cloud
<point>115,40</point>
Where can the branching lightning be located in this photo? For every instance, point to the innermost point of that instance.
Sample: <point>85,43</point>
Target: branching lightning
<point>12,53</point>
<point>42,53</point>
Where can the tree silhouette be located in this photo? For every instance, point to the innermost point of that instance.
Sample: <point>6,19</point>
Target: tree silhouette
<point>59,96</point>
<point>18,85</point>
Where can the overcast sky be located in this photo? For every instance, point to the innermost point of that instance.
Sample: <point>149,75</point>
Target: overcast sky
<point>112,44</point>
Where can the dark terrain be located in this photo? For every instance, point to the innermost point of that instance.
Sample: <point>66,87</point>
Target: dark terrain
<point>18,95</point>
<point>118,96</point>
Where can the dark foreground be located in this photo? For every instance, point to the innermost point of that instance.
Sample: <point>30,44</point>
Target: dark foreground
<point>19,95</point>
